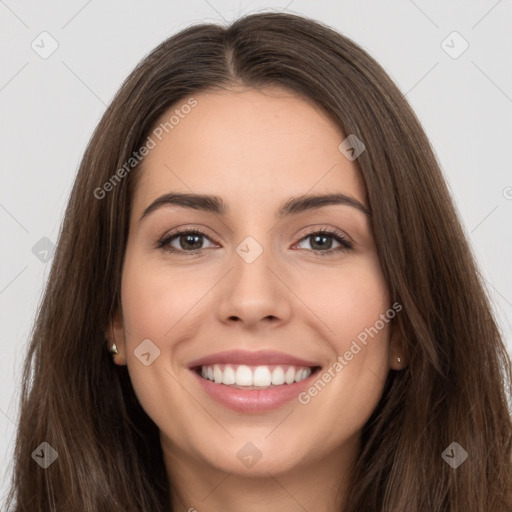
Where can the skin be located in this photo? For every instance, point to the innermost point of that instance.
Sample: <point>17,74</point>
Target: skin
<point>255,149</point>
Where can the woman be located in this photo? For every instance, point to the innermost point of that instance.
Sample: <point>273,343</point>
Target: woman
<point>323,344</point>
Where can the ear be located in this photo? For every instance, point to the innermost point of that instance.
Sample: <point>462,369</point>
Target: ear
<point>115,334</point>
<point>396,349</point>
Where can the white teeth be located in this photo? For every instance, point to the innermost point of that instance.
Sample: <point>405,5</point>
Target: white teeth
<point>302,374</point>
<point>217,374</point>
<point>243,376</point>
<point>262,376</point>
<point>257,376</point>
<point>229,375</point>
<point>278,376</point>
<point>289,377</point>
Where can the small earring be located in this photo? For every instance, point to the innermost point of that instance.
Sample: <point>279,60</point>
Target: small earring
<point>398,359</point>
<point>113,349</point>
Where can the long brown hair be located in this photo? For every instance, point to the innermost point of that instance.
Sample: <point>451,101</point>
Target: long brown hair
<point>458,379</point>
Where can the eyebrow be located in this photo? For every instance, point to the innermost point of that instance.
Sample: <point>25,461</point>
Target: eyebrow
<point>215,204</point>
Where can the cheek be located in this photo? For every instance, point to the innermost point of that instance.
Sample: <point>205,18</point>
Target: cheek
<point>354,304</point>
<point>157,304</point>
<point>156,299</point>
<point>348,300</point>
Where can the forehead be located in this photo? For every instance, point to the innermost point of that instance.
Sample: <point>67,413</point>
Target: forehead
<point>252,147</point>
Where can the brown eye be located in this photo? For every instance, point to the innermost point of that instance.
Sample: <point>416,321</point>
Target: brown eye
<point>189,241</point>
<point>321,242</point>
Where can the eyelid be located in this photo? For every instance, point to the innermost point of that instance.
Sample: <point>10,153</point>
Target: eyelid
<point>186,228</point>
<point>331,230</point>
<point>183,230</point>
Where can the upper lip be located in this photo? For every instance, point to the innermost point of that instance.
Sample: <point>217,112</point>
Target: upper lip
<point>259,358</point>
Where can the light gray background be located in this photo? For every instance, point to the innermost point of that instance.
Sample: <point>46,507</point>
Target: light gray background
<point>49,108</point>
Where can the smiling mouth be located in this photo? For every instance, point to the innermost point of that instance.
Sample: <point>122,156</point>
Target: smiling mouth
<point>260,377</point>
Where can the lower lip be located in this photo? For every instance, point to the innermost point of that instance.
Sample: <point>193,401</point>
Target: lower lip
<point>254,400</point>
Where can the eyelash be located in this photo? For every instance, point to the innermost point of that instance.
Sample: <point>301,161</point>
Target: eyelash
<point>166,240</point>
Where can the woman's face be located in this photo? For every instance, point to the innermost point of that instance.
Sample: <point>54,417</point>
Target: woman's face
<point>260,300</point>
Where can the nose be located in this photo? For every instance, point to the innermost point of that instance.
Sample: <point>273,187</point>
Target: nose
<point>254,291</point>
